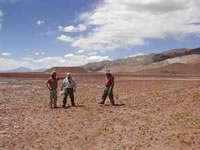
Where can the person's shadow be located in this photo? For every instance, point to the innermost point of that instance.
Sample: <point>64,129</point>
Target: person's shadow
<point>116,105</point>
<point>119,104</point>
<point>79,106</point>
<point>69,106</point>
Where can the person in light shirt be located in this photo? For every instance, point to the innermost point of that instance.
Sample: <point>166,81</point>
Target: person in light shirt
<point>69,87</point>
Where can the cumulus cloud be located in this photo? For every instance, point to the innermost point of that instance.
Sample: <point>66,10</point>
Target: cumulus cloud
<point>123,23</point>
<point>80,51</point>
<point>6,54</point>
<point>6,64</point>
<point>40,22</point>
<point>79,28</point>
<point>65,38</point>
<point>47,62</point>
<point>92,53</point>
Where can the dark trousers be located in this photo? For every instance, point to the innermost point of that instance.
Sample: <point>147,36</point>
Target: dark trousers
<point>70,92</point>
<point>108,91</point>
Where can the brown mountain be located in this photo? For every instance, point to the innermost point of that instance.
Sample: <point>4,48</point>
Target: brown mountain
<point>148,62</point>
<point>67,69</point>
<point>176,68</point>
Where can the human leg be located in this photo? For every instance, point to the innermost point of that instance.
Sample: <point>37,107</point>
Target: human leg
<point>65,98</point>
<point>72,97</point>
<point>104,96</point>
<point>111,97</point>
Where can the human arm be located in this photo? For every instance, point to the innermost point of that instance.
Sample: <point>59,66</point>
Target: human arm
<point>48,84</point>
<point>112,84</point>
<point>60,78</point>
<point>75,86</point>
<point>62,86</point>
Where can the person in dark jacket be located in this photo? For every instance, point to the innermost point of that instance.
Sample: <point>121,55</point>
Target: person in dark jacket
<point>108,90</point>
<point>52,85</point>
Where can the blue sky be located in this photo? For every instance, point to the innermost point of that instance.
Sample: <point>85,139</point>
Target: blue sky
<point>46,33</point>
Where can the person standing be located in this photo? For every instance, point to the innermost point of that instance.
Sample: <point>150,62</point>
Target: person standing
<point>108,90</point>
<point>69,87</point>
<point>52,85</point>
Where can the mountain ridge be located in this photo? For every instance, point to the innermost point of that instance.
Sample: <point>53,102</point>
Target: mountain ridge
<point>150,61</point>
<point>23,70</point>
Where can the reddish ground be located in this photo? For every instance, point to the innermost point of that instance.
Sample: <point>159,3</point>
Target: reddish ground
<point>152,114</point>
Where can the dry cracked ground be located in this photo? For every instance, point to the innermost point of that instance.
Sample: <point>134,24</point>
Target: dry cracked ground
<point>150,115</point>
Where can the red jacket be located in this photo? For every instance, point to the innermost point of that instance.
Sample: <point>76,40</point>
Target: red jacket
<point>109,80</point>
<point>52,83</point>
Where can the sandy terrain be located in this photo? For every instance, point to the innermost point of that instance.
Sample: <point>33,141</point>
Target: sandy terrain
<point>152,114</point>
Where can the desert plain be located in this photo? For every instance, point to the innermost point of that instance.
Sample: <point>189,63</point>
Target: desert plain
<point>152,113</point>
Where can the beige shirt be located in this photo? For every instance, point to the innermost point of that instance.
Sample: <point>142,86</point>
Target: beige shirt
<point>69,83</point>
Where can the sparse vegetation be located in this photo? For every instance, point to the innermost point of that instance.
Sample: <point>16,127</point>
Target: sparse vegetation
<point>196,96</point>
<point>186,120</point>
<point>184,138</point>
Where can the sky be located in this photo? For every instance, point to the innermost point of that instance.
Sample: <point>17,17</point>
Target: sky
<point>46,33</point>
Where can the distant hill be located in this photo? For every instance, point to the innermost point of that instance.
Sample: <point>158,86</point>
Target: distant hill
<point>176,68</point>
<point>148,62</point>
<point>40,70</point>
<point>20,69</point>
<point>67,69</point>
<point>23,69</point>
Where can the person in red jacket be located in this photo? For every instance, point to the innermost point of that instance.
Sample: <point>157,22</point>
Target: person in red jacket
<point>52,85</point>
<point>108,91</point>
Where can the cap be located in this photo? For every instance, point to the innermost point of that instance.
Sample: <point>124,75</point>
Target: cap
<point>53,73</point>
<point>108,71</point>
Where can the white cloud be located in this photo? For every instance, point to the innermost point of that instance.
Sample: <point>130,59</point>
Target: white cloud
<point>122,23</point>
<point>135,55</point>
<point>6,54</point>
<point>80,51</point>
<point>65,38</point>
<point>39,53</point>
<point>40,22</point>
<point>92,53</point>
<point>79,28</point>
<point>66,29</point>
<point>47,62</point>
<point>6,64</point>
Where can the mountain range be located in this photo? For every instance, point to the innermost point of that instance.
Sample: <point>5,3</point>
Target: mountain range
<point>23,69</point>
<point>171,61</point>
<point>176,61</point>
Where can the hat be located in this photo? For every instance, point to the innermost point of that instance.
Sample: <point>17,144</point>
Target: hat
<point>53,73</point>
<point>108,71</point>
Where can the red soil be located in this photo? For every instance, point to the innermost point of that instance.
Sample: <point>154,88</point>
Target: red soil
<point>150,115</point>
